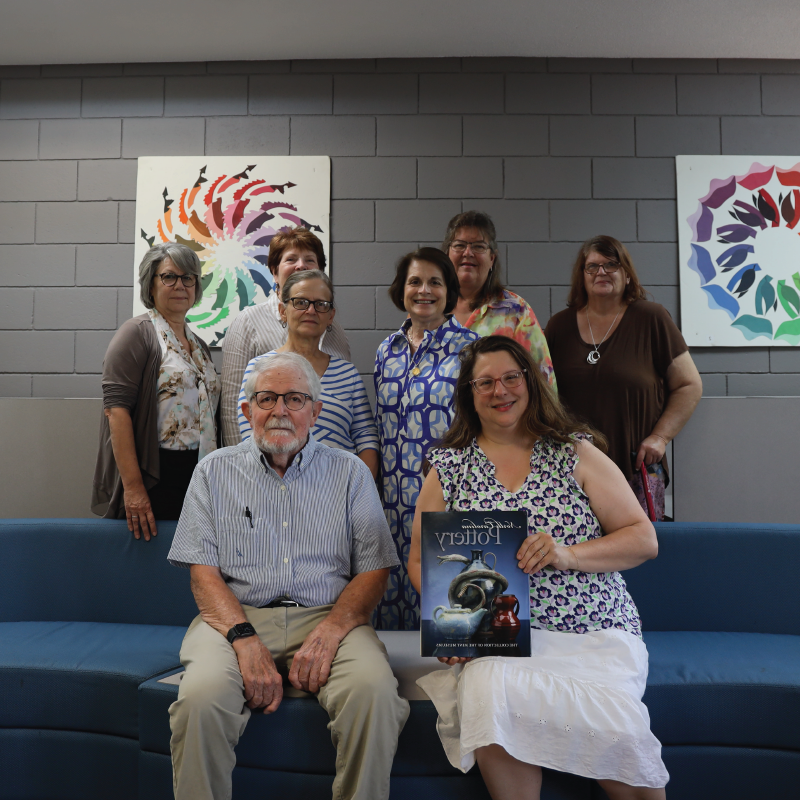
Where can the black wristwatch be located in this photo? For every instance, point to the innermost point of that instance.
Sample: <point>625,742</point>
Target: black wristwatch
<point>240,631</point>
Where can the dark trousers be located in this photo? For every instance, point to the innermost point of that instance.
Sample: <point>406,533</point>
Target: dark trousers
<point>176,467</point>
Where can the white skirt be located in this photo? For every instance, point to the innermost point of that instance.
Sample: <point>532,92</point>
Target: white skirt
<point>575,706</point>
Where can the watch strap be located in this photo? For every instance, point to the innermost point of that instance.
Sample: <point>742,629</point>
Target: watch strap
<point>240,631</point>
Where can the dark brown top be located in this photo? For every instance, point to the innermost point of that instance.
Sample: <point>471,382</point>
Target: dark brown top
<point>624,393</point>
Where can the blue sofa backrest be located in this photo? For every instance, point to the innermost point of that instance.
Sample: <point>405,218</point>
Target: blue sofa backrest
<point>720,577</point>
<point>707,577</point>
<point>90,570</point>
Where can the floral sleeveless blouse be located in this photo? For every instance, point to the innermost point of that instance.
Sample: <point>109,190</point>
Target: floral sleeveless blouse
<point>567,600</point>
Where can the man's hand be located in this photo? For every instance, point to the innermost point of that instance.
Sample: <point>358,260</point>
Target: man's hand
<point>263,685</point>
<point>311,665</point>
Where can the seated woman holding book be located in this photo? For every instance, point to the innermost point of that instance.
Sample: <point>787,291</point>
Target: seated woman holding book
<point>575,704</point>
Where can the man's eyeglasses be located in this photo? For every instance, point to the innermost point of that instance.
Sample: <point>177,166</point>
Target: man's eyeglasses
<point>510,380</point>
<point>170,279</point>
<point>301,304</point>
<point>294,401</point>
<point>610,268</point>
<point>478,248</point>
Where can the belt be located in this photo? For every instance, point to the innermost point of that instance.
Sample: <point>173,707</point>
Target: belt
<point>283,602</point>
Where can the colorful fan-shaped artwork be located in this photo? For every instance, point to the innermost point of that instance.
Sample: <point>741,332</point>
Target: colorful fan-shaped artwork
<point>227,210</point>
<point>740,250</point>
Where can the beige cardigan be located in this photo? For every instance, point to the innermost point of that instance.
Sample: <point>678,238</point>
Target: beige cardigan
<point>130,380</point>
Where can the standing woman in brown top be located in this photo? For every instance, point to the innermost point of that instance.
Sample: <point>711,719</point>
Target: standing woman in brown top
<point>622,364</point>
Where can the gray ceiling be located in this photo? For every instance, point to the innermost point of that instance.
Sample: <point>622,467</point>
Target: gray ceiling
<point>98,31</point>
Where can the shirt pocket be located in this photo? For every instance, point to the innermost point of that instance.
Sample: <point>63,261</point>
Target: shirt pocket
<point>242,546</point>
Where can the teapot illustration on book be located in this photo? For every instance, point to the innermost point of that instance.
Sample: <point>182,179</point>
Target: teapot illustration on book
<point>460,623</point>
<point>476,586</point>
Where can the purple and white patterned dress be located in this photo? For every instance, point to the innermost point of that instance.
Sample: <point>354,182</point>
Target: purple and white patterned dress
<point>575,704</point>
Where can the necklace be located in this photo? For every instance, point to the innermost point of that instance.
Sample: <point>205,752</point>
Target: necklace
<point>594,355</point>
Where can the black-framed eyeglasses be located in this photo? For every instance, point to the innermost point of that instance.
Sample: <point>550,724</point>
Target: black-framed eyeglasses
<point>170,279</point>
<point>294,401</point>
<point>478,248</point>
<point>610,268</point>
<point>509,379</point>
<point>301,304</point>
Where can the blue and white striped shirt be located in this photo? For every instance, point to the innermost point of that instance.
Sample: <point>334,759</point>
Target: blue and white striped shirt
<point>346,419</point>
<point>307,534</point>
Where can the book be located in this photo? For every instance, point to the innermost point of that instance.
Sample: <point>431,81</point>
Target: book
<point>475,599</point>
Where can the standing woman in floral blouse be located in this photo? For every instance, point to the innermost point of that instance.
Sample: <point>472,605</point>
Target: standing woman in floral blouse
<point>575,705</point>
<point>415,375</point>
<point>160,396</point>
<point>484,304</point>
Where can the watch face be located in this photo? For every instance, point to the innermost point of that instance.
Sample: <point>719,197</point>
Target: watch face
<point>240,630</point>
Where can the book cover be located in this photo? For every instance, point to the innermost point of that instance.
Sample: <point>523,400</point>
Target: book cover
<point>475,599</point>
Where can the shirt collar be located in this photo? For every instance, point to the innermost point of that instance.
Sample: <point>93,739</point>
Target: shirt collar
<point>445,330</point>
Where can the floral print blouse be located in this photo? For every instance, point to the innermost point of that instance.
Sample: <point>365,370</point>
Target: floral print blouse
<point>560,600</point>
<point>187,393</point>
<point>511,316</point>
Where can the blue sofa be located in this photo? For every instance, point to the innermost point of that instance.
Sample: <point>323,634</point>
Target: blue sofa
<point>91,623</point>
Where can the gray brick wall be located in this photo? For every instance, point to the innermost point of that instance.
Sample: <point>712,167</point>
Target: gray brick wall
<point>555,149</point>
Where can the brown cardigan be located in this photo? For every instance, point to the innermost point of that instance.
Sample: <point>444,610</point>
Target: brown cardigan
<point>130,380</point>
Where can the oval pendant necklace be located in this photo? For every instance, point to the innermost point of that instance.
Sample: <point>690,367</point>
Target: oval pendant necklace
<point>594,355</point>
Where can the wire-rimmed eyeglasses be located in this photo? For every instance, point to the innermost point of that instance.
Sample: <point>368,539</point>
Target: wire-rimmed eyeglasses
<point>509,379</point>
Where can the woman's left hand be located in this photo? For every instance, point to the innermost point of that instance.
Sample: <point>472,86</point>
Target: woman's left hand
<point>651,451</point>
<point>539,551</point>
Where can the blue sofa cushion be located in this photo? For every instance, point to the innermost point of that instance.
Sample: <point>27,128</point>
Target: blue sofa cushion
<point>701,580</point>
<point>740,689</point>
<point>91,570</point>
<point>80,676</point>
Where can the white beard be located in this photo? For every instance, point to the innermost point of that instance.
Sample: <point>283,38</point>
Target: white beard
<point>277,448</point>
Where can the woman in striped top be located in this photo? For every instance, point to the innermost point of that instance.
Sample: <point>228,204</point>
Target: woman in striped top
<point>346,420</point>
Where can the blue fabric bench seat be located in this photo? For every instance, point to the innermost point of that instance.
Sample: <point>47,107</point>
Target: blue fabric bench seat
<point>722,688</point>
<point>80,676</point>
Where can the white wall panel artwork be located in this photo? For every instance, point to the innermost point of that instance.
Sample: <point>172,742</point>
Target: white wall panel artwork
<point>228,209</point>
<point>739,236</point>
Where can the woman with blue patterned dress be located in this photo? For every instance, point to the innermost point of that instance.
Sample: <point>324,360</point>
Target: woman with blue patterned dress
<point>575,705</point>
<point>415,375</point>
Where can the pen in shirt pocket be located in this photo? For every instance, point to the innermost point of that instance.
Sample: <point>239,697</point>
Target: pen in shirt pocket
<point>248,515</point>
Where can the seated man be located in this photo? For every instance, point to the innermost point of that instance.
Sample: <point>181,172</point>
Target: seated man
<point>289,553</point>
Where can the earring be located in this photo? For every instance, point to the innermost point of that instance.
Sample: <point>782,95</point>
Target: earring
<point>283,323</point>
<point>329,328</point>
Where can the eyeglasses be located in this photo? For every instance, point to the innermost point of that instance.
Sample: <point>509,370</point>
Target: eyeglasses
<point>610,268</point>
<point>170,279</point>
<point>294,401</point>
<point>510,380</point>
<point>478,248</point>
<point>301,304</point>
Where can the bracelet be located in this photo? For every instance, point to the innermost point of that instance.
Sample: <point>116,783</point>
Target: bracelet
<point>660,437</point>
<point>577,563</point>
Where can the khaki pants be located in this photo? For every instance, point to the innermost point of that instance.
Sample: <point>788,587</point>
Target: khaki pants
<point>209,716</point>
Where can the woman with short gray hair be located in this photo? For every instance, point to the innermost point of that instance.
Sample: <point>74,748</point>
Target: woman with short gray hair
<point>160,397</point>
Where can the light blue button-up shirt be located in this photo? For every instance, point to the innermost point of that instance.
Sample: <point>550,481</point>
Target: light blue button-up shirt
<point>304,535</point>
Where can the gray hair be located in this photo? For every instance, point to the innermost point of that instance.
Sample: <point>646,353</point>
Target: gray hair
<point>264,365</point>
<point>183,257</point>
<point>305,275</point>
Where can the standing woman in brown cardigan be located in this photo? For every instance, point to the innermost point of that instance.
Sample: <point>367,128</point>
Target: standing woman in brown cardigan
<point>160,397</point>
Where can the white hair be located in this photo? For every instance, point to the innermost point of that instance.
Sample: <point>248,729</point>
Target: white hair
<point>264,365</point>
